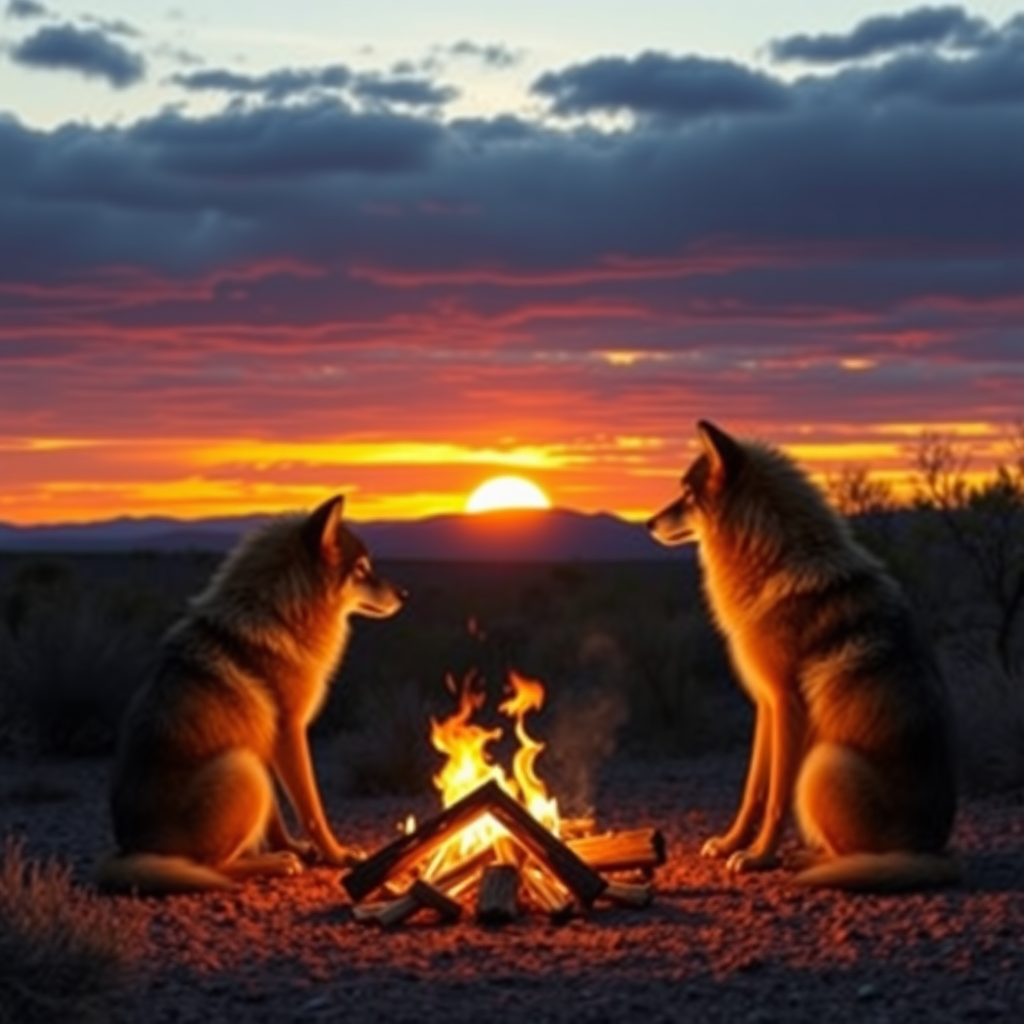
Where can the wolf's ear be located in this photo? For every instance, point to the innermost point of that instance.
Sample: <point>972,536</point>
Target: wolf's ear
<point>724,454</point>
<point>320,531</point>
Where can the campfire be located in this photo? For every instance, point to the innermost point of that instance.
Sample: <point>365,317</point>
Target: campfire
<point>499,847</point>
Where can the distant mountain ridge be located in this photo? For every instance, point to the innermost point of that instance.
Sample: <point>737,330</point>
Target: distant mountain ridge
<point>519,535</point>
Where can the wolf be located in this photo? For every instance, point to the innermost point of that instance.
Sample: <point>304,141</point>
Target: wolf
<point>222,721</point>
<point>852,727</point>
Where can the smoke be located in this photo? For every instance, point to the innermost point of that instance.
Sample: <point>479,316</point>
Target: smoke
<point>584,726</point>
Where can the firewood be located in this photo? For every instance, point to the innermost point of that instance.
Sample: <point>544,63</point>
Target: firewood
<point>498,899</point>
<point>546,893</point>
<point>454,877</point>
<point>583,882</point>
<point>433,899</point>
<point>399,908</point>
<point>621,851</point>
<point>406,850</point>
<point>627,894</point>
<point>575,828</point>
<point>506,851</point>
<point>387,913</point>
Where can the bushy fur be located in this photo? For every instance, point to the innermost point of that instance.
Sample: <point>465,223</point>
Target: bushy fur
<point>852,725</point>
<point>223,720</point>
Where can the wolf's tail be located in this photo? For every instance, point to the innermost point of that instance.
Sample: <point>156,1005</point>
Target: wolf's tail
<point>898,871</point>
<point>154,874</point>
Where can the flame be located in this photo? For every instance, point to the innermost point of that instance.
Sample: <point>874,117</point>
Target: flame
<point>465,744</point>
<point>528,695</point>
<point>469,764</point>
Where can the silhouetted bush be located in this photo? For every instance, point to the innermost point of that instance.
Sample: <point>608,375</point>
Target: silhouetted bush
<point>71,654</point>
<point>958,548</point>
<point>63,951</point>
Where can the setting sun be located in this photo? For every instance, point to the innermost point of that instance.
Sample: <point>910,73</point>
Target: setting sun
<point>506,492</point>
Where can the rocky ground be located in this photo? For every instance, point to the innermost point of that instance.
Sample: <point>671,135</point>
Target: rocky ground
<point>711,948</point>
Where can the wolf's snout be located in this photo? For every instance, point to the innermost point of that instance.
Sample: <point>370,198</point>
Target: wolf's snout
<point>652,524</point>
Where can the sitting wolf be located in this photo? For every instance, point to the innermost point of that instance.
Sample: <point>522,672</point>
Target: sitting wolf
<point>223,719</point>
<point>852,724</point>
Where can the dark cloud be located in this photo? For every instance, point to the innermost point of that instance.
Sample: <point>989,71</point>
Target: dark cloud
<point>410,92</point>
<point>25,9</point>
<point>274,85</point>
<point>866,203</point>
<point>284,142</point>
<point>494,55</point>
<point>87,51</point>
<point>662,85</point>
<point>923,26</point>
<point>996,75</point>
<point>285,83</point>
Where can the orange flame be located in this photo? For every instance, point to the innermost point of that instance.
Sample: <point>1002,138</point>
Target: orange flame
<point>469,764</point>
<point>465,745</point>
<point>528,695</point>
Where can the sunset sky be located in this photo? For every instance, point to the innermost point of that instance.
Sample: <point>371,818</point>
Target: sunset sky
<point>251,254</point>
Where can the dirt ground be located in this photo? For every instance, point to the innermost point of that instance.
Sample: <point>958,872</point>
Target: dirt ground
<point>711,948</point>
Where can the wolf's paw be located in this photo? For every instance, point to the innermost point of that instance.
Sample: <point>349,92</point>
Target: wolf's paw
<point>743,861</point>
<point>718,847</point>
<point>284,863</point>
<point>342,856</point>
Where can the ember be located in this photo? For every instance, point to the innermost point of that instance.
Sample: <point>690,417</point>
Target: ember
<point>499,844</point>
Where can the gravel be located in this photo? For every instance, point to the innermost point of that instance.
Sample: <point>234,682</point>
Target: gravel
<point>752,949</point>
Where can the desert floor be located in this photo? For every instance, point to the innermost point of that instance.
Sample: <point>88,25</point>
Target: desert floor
<point>711,948</point>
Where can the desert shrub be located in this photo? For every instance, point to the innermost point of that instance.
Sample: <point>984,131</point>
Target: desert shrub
<point>72,653</point>
<point>958,548</point>
<point>63,951</point>
<point>384,748</point>
<point>982,525</point>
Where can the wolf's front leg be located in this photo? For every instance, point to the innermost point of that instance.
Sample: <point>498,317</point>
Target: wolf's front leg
<point>293,764</point>
<point>755,790</point>
<point>788,744</point>
<point>279,839</point>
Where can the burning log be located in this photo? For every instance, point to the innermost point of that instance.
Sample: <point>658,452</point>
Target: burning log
<point>547,894</point>
<point>497,901</point>
<point>422,894</point>
<point>642,848</point>
<point>406,850</point>
<point>576,828</point>
<point>583,882</point>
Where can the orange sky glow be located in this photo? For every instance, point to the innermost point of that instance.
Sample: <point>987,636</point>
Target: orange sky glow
<point>51,480</point>
<point>231,286</point>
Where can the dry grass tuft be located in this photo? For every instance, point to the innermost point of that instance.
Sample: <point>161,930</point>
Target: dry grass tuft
<point>63,951</point>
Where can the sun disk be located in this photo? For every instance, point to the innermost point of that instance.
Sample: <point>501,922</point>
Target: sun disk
<point>504,492</point>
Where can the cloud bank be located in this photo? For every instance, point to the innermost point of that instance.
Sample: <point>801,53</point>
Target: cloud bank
<point>662,235</point>
<point>91,52</point>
